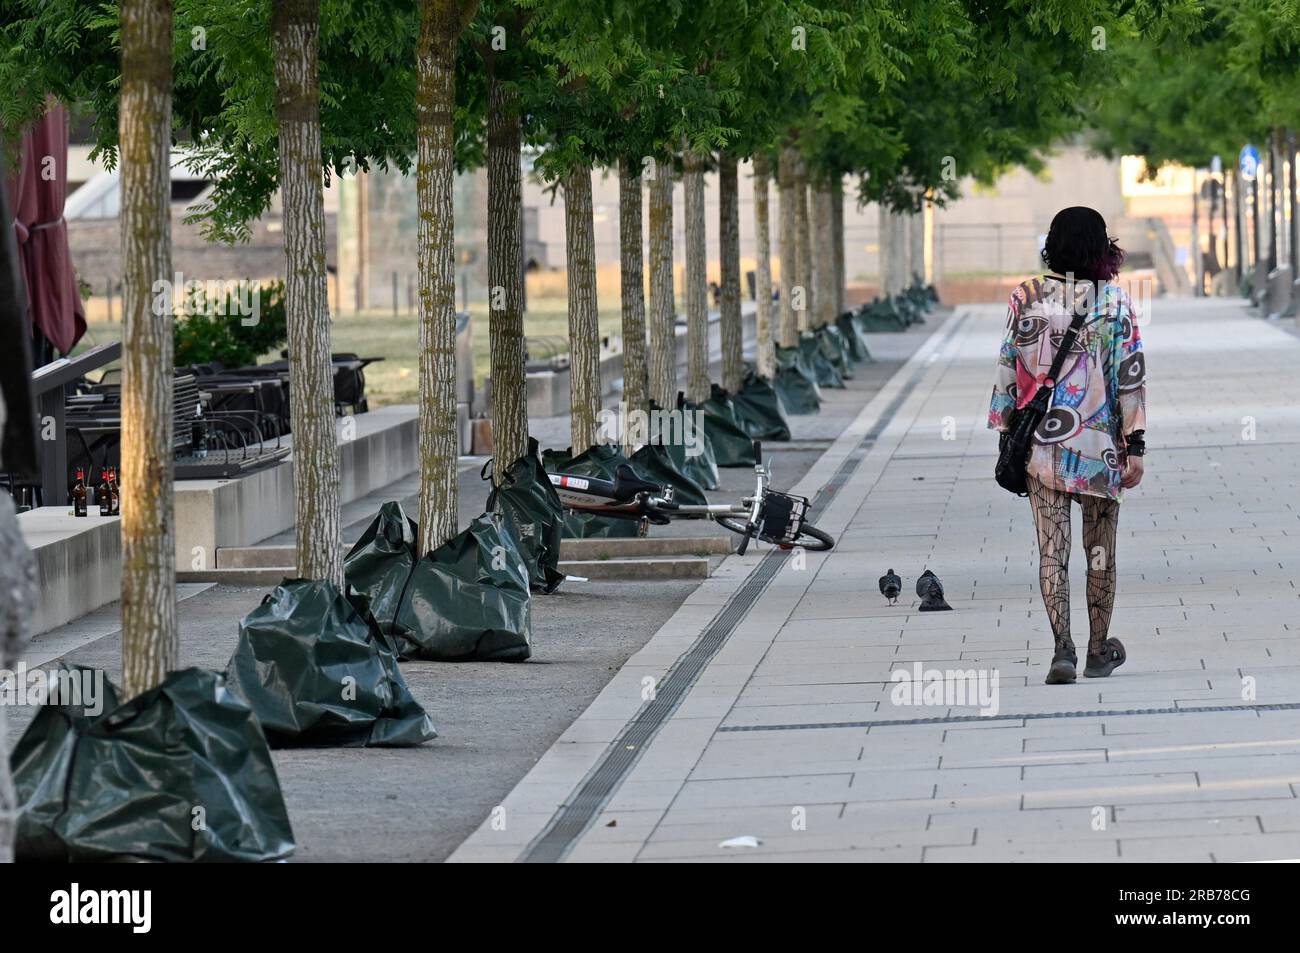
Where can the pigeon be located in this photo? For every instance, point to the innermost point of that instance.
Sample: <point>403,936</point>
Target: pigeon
<point>930,589</point>
<point>890,586</point>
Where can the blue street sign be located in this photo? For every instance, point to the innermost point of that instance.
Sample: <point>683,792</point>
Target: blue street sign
<point>1249,162</point>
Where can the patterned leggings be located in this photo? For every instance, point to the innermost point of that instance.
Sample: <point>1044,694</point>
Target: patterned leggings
<point>1100,521</point>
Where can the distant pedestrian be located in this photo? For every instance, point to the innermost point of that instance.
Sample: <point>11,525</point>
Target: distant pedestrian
<point>1090,445</point>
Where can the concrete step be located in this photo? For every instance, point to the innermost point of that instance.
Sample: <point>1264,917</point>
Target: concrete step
<point>678,567</point>
<point>667,567</point>
<point>270,557</point>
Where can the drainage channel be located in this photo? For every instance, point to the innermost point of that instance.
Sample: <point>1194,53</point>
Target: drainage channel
<point>1023,716</point>
<point>573,819</point>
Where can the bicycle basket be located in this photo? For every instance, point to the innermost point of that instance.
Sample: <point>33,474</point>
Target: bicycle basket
<point>781,517</point>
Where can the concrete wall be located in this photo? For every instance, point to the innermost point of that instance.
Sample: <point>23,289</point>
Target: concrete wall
<point>217,513</point>
<point>78,563</point>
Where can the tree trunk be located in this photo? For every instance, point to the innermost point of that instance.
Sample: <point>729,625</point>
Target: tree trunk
<point>763,268</point>
<point>636,382</point>
<point>792,296</point>
<point>697,289</point>
<point>505,278</point>
<point>803,247</point>
<point>295,31</point>
<point>824,245</point>
<point>731,329</point>
<point>916,252</point>
<point>837,244</point>
<point>435,107</point>
<point>149,642</point>
<point>584,327</point>
<point>663,303</point>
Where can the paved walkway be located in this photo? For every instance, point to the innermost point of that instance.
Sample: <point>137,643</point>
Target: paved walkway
<point>764,707</point>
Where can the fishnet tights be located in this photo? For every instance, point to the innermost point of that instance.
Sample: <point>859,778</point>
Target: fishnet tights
<point>1100,521</point>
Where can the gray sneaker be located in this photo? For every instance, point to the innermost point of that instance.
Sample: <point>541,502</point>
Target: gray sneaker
<point>1112,656</point>
<point>1062,670</point>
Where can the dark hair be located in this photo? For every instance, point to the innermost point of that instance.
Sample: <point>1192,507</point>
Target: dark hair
<point>1077,244</point>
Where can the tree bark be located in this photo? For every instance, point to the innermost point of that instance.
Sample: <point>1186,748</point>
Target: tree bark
<point>636,382</point>
<point>916,252</point>
<point>824,246</point>
<point>697,289</point>
<point>435,264</point>
<point>731,330</point>
<point>295,32</point>
<point>803,247</point>
<point>837,244</point>
<point>788,184</point>
<point>505,277</point>
<point>663,303</point>
<point>149,641</point>
<point>584,327</point>
<point>763,268</point>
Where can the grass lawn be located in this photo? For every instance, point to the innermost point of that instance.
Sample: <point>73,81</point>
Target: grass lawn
<point>396,380</point>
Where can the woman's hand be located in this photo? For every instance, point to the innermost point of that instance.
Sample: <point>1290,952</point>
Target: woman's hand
<point>1132,475</point>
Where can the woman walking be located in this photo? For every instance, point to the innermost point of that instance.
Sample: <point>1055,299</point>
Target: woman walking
<point>1089,446</point>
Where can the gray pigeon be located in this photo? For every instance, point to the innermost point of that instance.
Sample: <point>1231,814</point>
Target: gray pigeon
<point>930,589</point>
<point>890,586</point>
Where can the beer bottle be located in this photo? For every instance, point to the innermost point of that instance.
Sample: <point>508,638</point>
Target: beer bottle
<point>79,494</point>
<point>103,494</point>
<point>115,492</point>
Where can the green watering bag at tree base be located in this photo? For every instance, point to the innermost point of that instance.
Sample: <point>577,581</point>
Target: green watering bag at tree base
<point>758,410</point>
<point>654,463</point>
<point>380,562</point>
<point>468,600</point>
<point>795,382</point>
<point>835,349</point>
<point>600,461</point>
<point>181,772</point>
<point>534,515</point>
<point>854,340</point>
<point>823,370</point>
<point>316,671</point>
<point>688,446</point>
<point>732,447</point>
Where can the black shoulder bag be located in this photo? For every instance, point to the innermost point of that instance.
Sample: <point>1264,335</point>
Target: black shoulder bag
<point>1014,445</point>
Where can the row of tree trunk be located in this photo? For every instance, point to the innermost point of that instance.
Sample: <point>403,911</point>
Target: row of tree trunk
<point>812,278</point>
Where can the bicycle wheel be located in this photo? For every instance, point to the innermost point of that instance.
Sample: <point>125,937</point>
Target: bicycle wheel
<point>740,526</point>
<point>814,540</point>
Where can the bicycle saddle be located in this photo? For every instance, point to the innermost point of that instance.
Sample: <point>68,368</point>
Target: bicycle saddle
<point>627,484</point>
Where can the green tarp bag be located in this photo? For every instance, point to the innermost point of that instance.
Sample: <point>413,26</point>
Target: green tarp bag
<point>468,600</point>
<point>130,781</point>
<point>533,514</point>
<point>810,346</point>
<point>316,671</point>
<point>759,410</point>
<point>380,562</point>
<point>795,382</point>
<point>881,316</point>
<point>600,461</point>
<point>653,462</point>
<point>854,341</point>
<point>688,446</point>
<point>835,350</point>
<point>732,447</point>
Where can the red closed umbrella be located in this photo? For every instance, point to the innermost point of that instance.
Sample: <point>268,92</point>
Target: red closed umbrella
<point>37,192</point>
